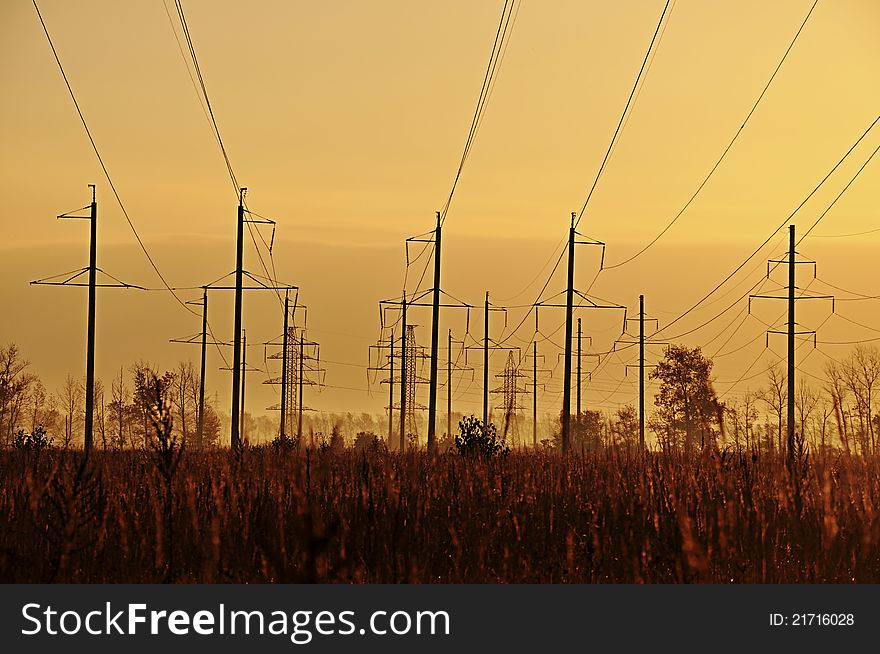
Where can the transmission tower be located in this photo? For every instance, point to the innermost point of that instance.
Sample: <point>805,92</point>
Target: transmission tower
<point>289,380</point>
<point>407,389</point>
<point>300,367</point>
<point>254,283</point>
<point>510,390</point>
<point>412,355</point>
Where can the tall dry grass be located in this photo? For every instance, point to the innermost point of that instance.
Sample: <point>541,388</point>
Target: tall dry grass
<point>346,516</point>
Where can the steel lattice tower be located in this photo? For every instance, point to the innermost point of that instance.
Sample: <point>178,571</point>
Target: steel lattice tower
<point>291,402</point>
<point>291,367</point>
<point>510,391</point>
<point>412,354</point>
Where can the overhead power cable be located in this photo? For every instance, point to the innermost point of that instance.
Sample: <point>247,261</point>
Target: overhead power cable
<point>104,167</point>
<point>780,226</point>
<point>623,115</point>
<point>724,152</point>
<point>498,47</point>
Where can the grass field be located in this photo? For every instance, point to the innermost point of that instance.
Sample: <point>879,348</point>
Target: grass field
<point>347,516</point>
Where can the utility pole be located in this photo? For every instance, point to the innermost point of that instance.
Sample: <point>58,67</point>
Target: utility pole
<point>791,331</point>
<point>299,420</point>
<point>202,365</point>
<point>579,374</point>
<point>642,372</point>
<point>391,388</point>
<point>90,351</point>
<point>487,309</point>
<point>791,323</point>
<point>449,386</point>
<point>566,381</point>
<point>486,362</point>
<point>202,339</point>
<point>243,373</point>
<point>535,393</point>
<point>641,341</point>
<point>403,364</point>
<point>236,354</point>
<point>407,394</point>
<point>435,323</point>
<point>70,279</point>
<point>284,389</point>
<point>569,320</point>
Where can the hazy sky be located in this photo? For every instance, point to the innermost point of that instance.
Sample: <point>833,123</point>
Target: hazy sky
<point>346,121</point>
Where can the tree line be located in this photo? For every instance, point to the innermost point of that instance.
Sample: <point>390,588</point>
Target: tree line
<point>121,417</point>
<point>836,411</point>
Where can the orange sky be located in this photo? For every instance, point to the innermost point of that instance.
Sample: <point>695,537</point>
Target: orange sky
<point>346,121</point>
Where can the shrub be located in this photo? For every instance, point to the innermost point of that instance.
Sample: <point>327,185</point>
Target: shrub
<point>367,441</point>
<point>475,439</point>
<point>37,440</point>
<point>284,443</point>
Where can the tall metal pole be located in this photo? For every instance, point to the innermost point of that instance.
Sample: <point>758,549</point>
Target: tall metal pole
<point>90,350</point>
<point>391,390</point>
<point>486,362</point>
<point>403,365</point>
<point>235,439</point>
<point>791,324</point>
<point>535,393</point>
<point>449,387</point>
<point>284,389</point>
<point>202,367</point>
<point>243,373</point>
<point>642,372</point>
<point>435,323</point>
<point>299,418</point>
<point>579,374</point>
<point>566,380</point>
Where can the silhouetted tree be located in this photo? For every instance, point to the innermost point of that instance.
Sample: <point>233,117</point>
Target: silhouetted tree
<point>687,406</point>
<point>587,430</point>
<point>775,396</point>
<point>625,427</point>
<point>15,382</point>
<point>71,397</point>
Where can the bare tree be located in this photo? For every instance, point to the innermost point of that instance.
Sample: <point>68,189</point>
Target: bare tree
<point>185,399</point>
<point>837,389</point>
<point>624,427</point>
<point>776,396</point>
<point>118,410</point>
<point>15,382</point>
<point>733,418</point>
<point>749,416</point>
<point>806,399</point>
<point>862,372</point>
<point>98,411</point>
<point>824,411</point>
<point>43,411</point>
<point>71,399</point>
<point>142,373</point>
